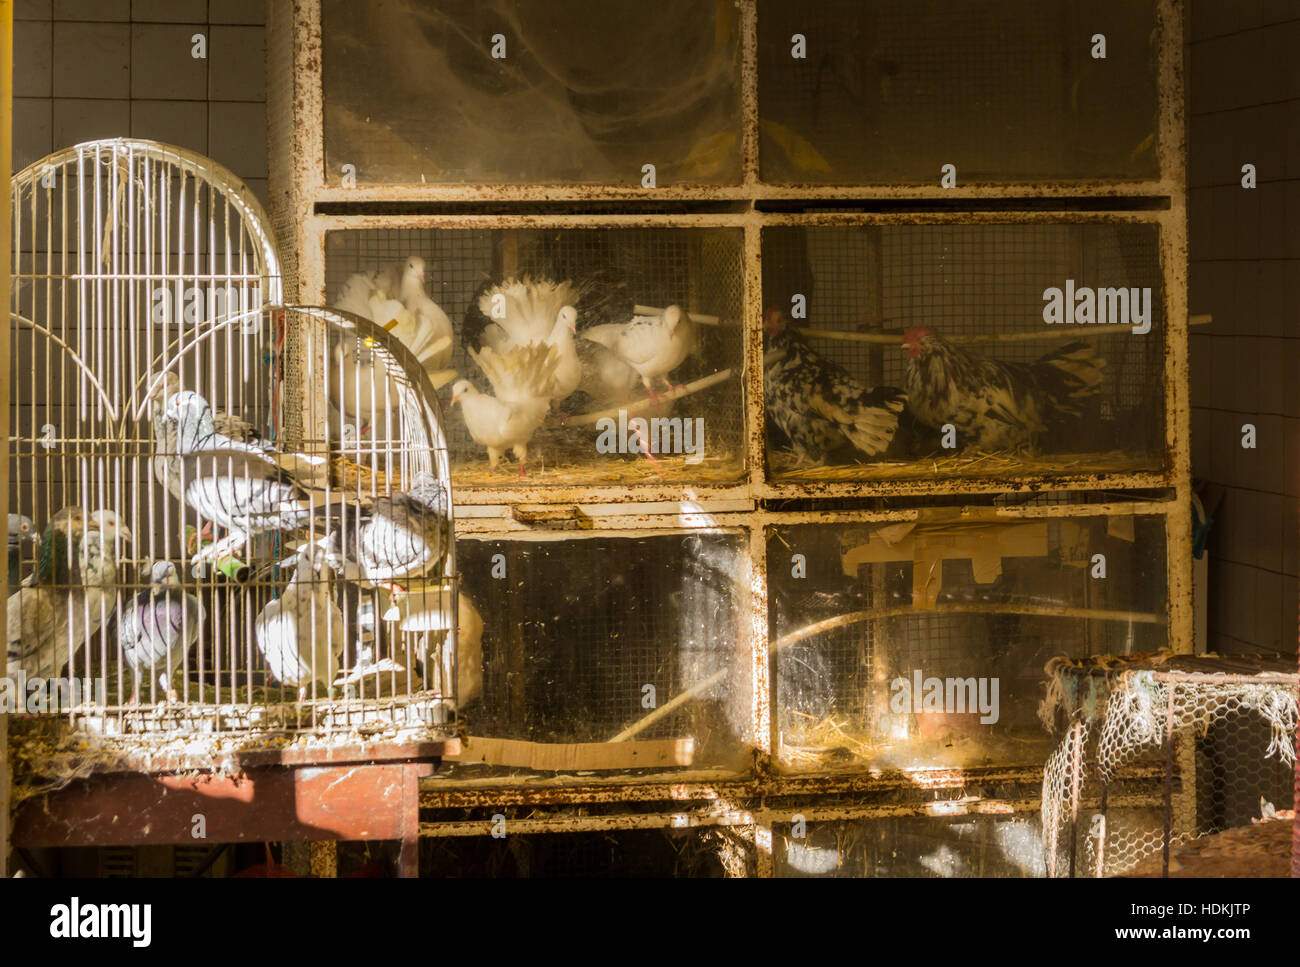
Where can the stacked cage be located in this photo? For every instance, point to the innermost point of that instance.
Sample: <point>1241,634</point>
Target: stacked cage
<point>211,570</point>
<point>753,187</point>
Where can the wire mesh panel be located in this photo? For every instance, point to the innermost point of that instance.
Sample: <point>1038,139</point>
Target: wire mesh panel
<point>890,92</point>
<point>635,642</point>
<point>505,91</point>
<point>1002,844</point>
<point>922,644</point>
<point>954,350</point>
<point>1211,739</point>
<point>641,384</point>
<point>214,554</point>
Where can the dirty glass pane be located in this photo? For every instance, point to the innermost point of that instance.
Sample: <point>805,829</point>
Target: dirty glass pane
<point>936,846</point>
<point>955,316</point>
<point>600,422</point>
<point>636,642</point>
<point>1004,90</point>
<point>580,91</point>
<point>930,639</point>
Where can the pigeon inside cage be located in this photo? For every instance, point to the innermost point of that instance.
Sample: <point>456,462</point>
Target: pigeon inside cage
<point>921,350</point>
<point>610,355</point>
<point>912,645</point>
<point>213,539</point>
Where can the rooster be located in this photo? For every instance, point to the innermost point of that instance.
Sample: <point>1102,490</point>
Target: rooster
<point>817,404</point>
<point>996,405</point>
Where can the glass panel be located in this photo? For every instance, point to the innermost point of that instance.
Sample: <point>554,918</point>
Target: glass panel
<point>1004,90</point>
<point>935,846</point>
<point>955,316</point>
<point>489,91</point>
<point>922,645</point>
<point>589,639</point>
<point>602,419</point>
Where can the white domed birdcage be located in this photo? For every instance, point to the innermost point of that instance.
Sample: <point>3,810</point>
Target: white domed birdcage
<point>238,513</point>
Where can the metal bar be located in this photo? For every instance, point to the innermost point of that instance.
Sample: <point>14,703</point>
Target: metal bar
<point>6,150</point>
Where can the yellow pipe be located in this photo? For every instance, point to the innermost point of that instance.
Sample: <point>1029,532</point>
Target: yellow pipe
<point>6,165</point>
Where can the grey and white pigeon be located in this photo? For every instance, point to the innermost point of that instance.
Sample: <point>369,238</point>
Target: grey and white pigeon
<point>157,629</point>
<point>47,623</point>
<point>166,461</point>
<point>394,537</point>
<point>300,633</point>
<point>653,345</point>
<point>242,487</point>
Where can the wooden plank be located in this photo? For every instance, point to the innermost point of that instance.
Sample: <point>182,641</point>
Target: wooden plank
<point>567,756</point>
<point>265,805</point>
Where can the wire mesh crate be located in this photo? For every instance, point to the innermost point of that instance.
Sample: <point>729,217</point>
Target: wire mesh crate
<point>603,653</point>
<point>503,92</point>
<point>954,314</point>
<point>889,93</point>
<point>920,644</point>
<point>967,844</point>
<point>683,399</point>
<point>217,566</point>
<point>1206,741</point>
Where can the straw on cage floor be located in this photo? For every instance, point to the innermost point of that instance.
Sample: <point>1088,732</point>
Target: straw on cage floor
<point>1003,464</point>
<point>612,469</point>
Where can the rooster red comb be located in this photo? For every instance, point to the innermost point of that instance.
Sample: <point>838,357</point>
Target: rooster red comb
<point>912,339</point>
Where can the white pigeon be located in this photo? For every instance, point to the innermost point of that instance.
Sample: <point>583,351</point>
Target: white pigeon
<point>47,622</point>
<point>499,425</point>
<point>432,327</point>
<point>568,367</point>
<point>652,345</point>
<point>521,312</point>
<point>300,633</point>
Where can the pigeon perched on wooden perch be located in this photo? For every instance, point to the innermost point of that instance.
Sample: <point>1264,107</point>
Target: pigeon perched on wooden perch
<point>653,345</point>
<point>242,487</point>
<point>48,622</point>
<point>817,404</point>
<point>166,461</point>
<point>995,405</point>
<point>300,633</point>
<point>157,629</point>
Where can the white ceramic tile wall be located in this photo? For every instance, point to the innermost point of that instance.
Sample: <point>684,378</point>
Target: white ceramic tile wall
<point>1245,270</point>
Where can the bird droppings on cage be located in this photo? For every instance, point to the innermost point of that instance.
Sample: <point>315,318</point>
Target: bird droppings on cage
<point>219,564</point>
<point>919,645</point>
<point>590,356</point>
<point>903,351</point>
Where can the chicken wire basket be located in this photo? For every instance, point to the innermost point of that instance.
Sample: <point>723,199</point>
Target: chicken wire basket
<point>684,287</point>
<point>955,316</point>
<point>891,92</point>
<point>502,92</point>
<point>1154,751</point>
<point>214,566</point>
<point>920,645</point>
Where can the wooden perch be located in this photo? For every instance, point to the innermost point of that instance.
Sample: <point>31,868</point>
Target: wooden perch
<point>856,617</point>
<point>634,407</point>
<point>572,756</point>
<point>700,317</point>
<point>895,337</point>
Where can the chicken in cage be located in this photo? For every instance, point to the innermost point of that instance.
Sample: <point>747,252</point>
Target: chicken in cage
<point>590,357</point>
<point>898,352</point>
<point>213,553</point>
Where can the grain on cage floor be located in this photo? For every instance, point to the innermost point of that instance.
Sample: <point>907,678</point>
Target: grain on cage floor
<point>1262,849</point>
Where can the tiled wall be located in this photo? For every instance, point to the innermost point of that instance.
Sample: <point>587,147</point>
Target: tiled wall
<point>87,69</point>
<point>1244,106</point>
